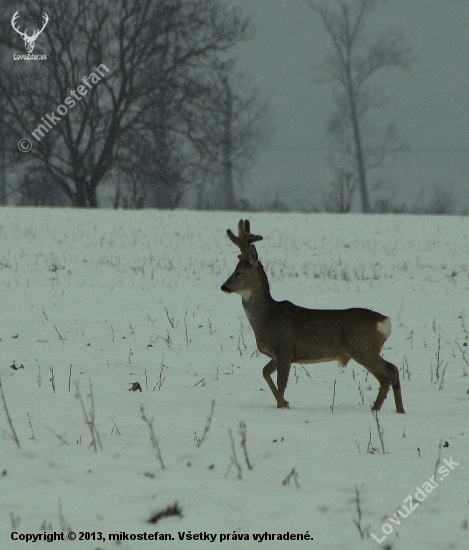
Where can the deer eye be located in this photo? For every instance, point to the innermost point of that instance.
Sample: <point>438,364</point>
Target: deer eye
<point>238,273</point>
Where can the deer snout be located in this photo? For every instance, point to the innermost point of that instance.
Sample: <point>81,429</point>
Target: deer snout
<point>225,289</point>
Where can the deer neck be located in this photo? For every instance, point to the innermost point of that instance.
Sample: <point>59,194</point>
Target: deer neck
<point>257,301</point>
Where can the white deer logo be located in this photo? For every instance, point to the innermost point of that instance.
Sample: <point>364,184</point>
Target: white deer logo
<point>29,41</point>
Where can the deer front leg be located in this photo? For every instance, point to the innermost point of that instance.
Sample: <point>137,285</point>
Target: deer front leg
<point>282,380</point>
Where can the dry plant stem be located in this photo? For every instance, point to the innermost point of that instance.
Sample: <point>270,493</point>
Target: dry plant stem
<point>58,436</point>
<point>10,423</point>
<point>362,395</point>
<point>239,345</point>
<point>370,449</point>
<point>170,319</point>
<point>333,398</point>
<point>242,433</point>
<point>293,474</point>
<point>307,373</point>
<point>442,381</point>
<point>31,426</point>
<point>153,439</point>
<point>233,458</point>
<point>69,376</point>
<point>52,378</point>
<point>115,428</point>
<point>438,460</point>
<point>92,416</point>
<point>198,442</point>
<point>167,340</point>
<point>463,353</point>
<point>241,339</point>
<point>380,430</point>
<point>295,374</point>
<point>185,327</point>
<point>89,417</point>
<point>59,335</point>
<point>173,510</point>
<point>463,325</point>
<point>64,525</point>
<point>405,368</point>
<point>438,362</point>
<point>358,522</point>
<point>161,378</point>
<point>15,521</point>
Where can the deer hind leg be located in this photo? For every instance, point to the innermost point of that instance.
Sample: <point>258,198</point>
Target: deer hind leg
<point>384,384</point>
<point>396,385</point>
<point>387,375</point>
<point>267,371</point>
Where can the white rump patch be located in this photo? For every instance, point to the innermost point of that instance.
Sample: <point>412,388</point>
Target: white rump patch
<point>384,327</point>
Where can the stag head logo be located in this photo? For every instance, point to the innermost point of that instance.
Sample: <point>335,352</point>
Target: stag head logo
<point>29,41</point>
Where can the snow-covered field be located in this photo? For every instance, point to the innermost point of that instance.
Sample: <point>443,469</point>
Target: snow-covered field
<point>106,299</point>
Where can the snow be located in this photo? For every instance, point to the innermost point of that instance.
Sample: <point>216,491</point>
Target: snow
<point>110,298</point>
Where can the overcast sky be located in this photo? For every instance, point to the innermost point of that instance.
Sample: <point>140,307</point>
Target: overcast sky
<point>430,103</point>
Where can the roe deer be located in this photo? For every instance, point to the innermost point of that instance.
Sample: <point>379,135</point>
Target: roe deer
<point>291,334</point>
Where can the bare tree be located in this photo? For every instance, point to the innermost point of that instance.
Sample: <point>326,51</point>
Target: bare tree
<point>359,144</point>
<point>246,127</point>
<point>36,188</point>
<point>342,191</point>
<point>228,126</point>
<point>150,53</point>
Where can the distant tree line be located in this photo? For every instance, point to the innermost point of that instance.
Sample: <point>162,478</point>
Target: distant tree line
<point>171,112</point>
<point>141,103</point>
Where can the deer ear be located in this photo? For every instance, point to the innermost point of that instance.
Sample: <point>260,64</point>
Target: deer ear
<point>252,255</point>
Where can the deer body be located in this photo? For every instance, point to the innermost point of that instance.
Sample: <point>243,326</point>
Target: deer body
<point>288,333</point>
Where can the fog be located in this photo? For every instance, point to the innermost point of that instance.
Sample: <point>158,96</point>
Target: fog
<point>429,103</point>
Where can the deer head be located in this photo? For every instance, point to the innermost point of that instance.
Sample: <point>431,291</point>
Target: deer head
<point>249,270</point>
<point>29,41</point>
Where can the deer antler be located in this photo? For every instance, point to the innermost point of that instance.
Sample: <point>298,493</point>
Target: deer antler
<point>244,239</point>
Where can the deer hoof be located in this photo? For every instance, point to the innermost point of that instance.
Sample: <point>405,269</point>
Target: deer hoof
<point>283,404</point>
